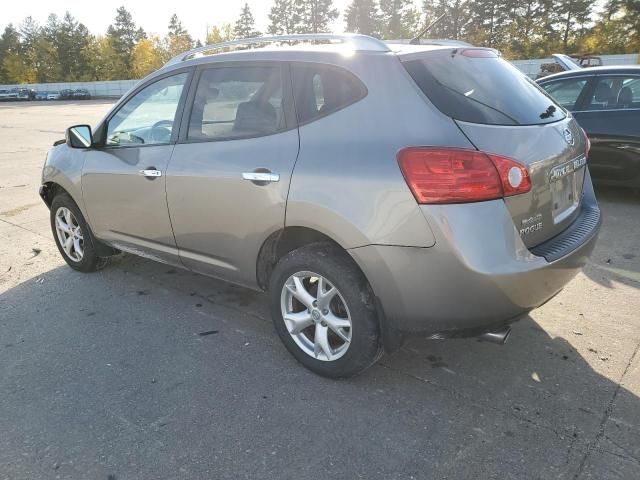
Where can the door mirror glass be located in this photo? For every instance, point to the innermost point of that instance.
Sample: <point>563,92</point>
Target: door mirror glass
<point>79,136</point>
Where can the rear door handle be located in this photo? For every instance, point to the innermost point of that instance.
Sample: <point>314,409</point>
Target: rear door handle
<point>262,177</point>
<point>151,172</point>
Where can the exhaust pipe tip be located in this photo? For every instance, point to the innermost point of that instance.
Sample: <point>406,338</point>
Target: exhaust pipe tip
<point>499,337</point>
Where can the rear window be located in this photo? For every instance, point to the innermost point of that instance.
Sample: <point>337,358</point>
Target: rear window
<point>475,85</point>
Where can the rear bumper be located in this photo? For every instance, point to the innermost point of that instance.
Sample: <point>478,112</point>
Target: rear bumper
<point>478,275</point>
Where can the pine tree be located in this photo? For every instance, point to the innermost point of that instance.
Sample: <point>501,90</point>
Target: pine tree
<point>572,13</point>
<point>178,39</point>
<point>9,52</point>
<point>399,18</point>
<point>124,35</point>
<point>313,16</point>
<point>282,18</point>
<point>489,23</point>
<point>245,25</point>
<point>70,39</point>
<point>454,22</point>
<point>362,16</point>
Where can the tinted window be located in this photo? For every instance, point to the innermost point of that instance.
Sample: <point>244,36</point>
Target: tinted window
<point>148,117</point>
<point>321,89</point>
<point>234,102</point>
<point>566,92</point>
<point>614,93</point>
<point>480,87</point>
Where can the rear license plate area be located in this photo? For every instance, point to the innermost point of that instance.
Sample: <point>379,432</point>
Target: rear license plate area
<point>566,188</point>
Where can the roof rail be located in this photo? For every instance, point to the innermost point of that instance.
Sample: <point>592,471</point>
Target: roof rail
<point>355,41</point>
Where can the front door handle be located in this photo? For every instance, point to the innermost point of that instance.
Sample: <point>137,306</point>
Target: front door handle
<point>261,178</point>
<point>151,172</point>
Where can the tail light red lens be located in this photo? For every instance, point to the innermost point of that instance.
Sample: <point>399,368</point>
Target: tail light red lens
<point>453,175</point>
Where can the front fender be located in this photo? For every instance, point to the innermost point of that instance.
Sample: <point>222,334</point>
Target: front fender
<point>63,167</point>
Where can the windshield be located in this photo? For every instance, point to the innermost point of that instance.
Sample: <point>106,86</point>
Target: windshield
<point>476,85</point>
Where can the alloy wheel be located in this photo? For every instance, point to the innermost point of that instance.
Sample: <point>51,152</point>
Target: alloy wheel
<point>69,234</point>
<point>316,316</point>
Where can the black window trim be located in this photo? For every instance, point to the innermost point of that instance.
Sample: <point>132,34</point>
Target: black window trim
<point>287,96</point>
<point>102,129</point>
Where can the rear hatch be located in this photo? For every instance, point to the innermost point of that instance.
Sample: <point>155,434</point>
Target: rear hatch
<point>503,112</point>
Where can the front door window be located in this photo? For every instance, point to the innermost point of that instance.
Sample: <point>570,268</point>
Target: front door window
<point>148,117</point>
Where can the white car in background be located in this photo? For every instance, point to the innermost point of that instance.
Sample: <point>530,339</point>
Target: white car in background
<point>53,96</point>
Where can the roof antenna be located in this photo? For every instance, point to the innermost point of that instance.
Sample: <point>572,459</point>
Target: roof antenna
<point>416,39</point>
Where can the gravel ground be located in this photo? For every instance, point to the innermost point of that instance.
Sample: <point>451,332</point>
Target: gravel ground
<point>144,371</point>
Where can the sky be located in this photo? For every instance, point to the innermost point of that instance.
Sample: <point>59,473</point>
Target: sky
<point>153,17</point>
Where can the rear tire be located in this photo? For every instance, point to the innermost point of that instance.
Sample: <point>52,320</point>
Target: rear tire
<point>73,236</point>
<point>331,324</point>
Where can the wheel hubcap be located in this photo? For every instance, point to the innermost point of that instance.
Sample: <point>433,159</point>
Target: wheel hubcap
<point>69,234</point>
<point>316,316</point>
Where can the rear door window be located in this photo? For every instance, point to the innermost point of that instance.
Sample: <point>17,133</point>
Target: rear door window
<point>566,92</point>
<point>237,102</point>
<point>320,90</point>
<point>476,85</point>
<point>616,92</point>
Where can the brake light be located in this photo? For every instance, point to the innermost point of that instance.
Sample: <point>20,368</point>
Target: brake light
<point>455,175</point>
<point>479,53</point>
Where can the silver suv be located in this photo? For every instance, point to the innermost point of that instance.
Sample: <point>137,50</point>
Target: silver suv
<point>375,191</point>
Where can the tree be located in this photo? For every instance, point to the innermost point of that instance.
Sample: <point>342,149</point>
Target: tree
<point>454,22</point>
<point>617,30</point>
<point>313,16</point>
<point>362,16</point>
<point>571,13</point>
<point>179,39</point>
<point>106,63</point>
<point>124,34</point>
<point>282,17</point>
<point>220,33</point>
<point>70,39</point>
<point>9,47</point>
<point>245,25</point>
<point>490,19</point>
<point>399,18</point>
<point>147,57</point>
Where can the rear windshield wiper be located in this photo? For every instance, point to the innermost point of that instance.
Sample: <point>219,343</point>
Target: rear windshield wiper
<point>548,112</point>
<point>468,97</point>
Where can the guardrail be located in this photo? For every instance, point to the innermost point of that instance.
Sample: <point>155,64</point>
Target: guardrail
<point>110,88</point>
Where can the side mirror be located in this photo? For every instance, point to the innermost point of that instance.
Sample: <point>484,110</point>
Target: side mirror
<point>79,136</point>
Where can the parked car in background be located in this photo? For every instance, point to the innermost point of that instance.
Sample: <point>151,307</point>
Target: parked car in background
<point>26,94</point>
<point>54,96</point>
<point>606,103</point>
<point>41,95</point>
<point>9,94</point>
<point>66,94</point>
<point>81,94</point>
<point>447,197</point>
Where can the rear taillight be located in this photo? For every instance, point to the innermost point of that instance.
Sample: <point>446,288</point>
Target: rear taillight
<point>454,175</point>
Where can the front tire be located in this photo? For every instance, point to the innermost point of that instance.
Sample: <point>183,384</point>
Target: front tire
<point>73,236</point>
<point>324,311</point>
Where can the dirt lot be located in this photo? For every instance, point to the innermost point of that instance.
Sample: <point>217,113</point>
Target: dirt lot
<point>143,371</point>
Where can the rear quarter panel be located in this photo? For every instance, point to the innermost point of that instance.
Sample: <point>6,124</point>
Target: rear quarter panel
<point>347,183</point>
